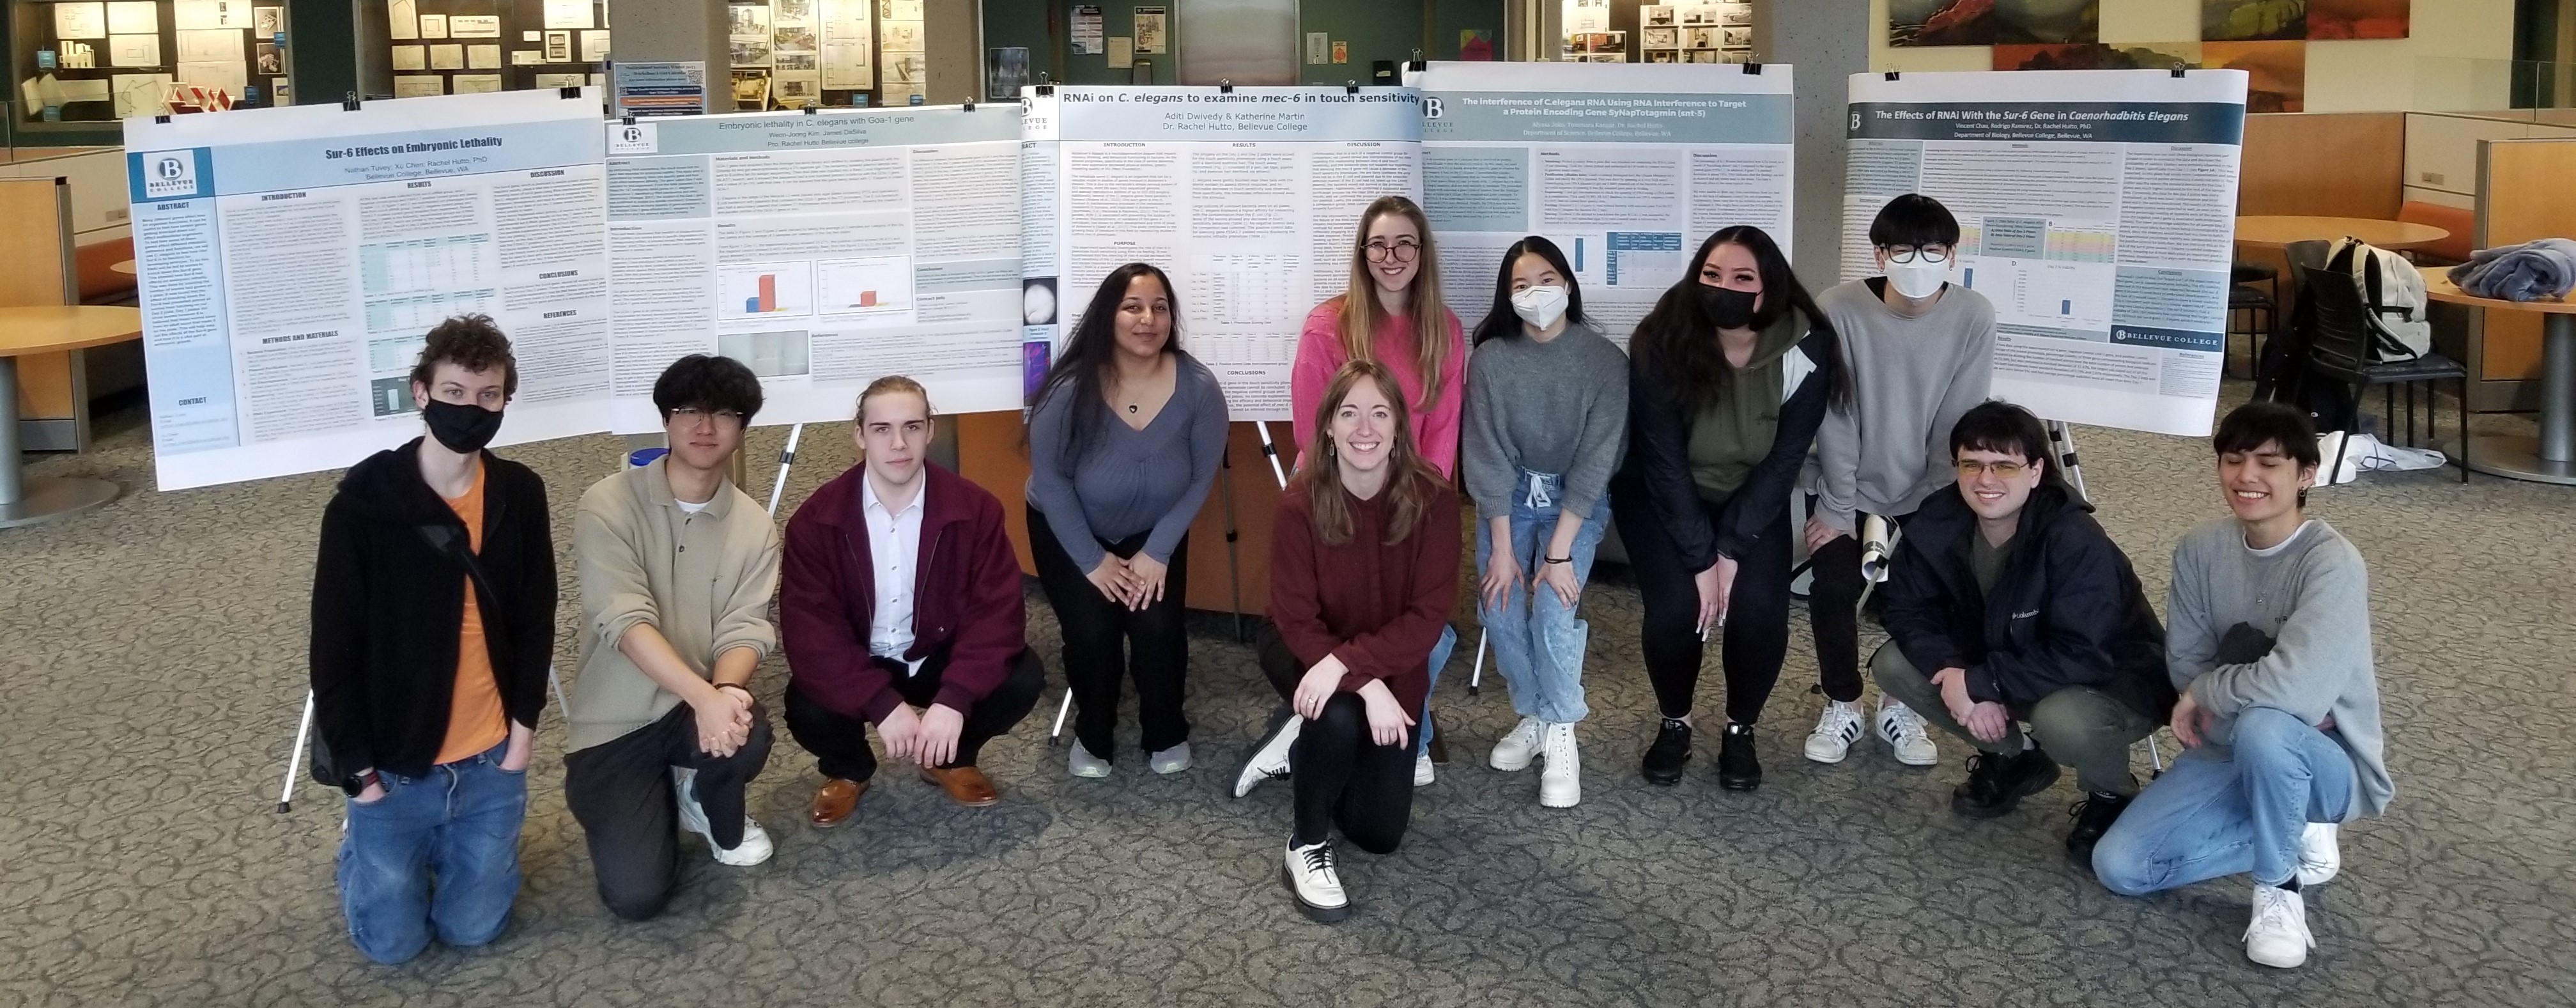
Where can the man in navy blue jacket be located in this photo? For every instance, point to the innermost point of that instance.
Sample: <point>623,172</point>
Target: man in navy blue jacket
<point>2025,612</point>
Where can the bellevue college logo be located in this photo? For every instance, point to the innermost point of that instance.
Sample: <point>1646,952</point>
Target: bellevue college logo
<point>170,175</point>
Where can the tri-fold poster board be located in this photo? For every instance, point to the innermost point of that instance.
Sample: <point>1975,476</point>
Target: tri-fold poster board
<point>291,260</point>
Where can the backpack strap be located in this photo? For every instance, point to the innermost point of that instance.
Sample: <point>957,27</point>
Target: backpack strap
<point>444,539</point>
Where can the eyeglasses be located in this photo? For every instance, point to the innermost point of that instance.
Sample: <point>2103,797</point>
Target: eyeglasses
<point>1971,469</point>
<point>1402,251</point>
<point>692,414</point>
<point>1909,253</point>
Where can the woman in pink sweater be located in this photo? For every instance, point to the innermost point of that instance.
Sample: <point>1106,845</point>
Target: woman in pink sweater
<point>1390,313</point>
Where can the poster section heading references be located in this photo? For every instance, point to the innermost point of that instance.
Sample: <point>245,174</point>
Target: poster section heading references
<point>1626,167</point>
<point>1248,198</point>
<point>293,259</point>
<point>2099,220</point>
<point>823,250</point>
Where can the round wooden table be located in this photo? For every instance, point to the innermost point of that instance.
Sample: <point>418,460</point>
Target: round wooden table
<point>2551,457</point>
<point>2278,232</point>
<point>126,267</point>
<point>27,500</point>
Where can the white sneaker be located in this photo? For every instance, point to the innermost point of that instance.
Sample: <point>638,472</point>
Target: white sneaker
<point>1422,774</point>
<point>1902,730</point>
<point>1836,730</point>
<point>2319,857</point>
<point>1514,753</point>
<point>2279,936</point>
<point>1084,764</point>
<point>1269,757</point>
<point>755,846</point>
<point>1318,888</point>
<point>1561,784</point>
<point>1169,761</point>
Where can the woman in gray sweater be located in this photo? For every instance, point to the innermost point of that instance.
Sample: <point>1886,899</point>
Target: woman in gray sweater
<point>1547,411</point>
<point>1125,437</point>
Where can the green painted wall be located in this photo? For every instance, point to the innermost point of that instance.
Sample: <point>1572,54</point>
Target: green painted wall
<point>1450,16</point>
<point>1375,29</point>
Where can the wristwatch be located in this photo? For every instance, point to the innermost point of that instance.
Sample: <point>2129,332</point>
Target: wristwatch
<point>359,783</point>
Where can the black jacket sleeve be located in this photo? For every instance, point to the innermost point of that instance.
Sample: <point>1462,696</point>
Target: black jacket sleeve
<point>1918,607</point>
<point>2082,612</point>
<point>338,653</point>
<point>532,627</point>
<point>1756,507</point>
<point>1659,457</point>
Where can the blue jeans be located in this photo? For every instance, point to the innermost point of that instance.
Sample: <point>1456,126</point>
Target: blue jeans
<point>1538,643</point>
<point>438,854</point>
<point>1439,657</point>
<point>2228,810</point>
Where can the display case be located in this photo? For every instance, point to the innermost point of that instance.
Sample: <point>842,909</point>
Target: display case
<point>433,47</point>
<point>1696,32</point>
<point>798,53</point>
<point>79,66</point>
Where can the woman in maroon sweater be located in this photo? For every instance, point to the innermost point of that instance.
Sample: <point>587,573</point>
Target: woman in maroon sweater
<point>1363,575</point>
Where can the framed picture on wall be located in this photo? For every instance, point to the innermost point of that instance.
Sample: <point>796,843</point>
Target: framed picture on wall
<point>1660,38</point>
<point>1661,55</point>
<point>1656,16</point>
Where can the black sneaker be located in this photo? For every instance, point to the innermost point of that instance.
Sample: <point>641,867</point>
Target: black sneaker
<point>2093,817</point>
<point>1664,759</point>
<point>1996,784</point>
<point>1738,769</point>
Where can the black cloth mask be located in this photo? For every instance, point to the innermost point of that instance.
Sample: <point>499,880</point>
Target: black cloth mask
<point>1729,308</point>
<point>462,428</point>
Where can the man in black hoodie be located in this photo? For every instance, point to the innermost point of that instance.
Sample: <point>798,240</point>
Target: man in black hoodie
<point>2027,612</point>
<point>433,622</point>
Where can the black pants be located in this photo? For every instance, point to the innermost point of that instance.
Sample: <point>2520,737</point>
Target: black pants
<point>840,743</point>
<point>1833,609</point>
<point>620,791</point>
<point>1755,635</point>
<point>1343,777</point>
<point>1105,642</point>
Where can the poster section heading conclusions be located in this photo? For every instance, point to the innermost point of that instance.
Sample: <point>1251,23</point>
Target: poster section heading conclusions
<point>2098,221</point>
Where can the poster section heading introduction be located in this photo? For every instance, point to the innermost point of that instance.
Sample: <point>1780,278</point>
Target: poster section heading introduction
<point>1626,167</point>
<point>2099,220</point>
<point>292,259</point>
<point>1249,198</point>
<point>824,250</point>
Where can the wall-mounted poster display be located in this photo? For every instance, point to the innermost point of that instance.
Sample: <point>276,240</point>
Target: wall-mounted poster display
<point>1995,22</point>
<point>469,46</point>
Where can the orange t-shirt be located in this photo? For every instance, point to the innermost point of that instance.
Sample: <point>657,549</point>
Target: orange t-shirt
<point>475,719</point>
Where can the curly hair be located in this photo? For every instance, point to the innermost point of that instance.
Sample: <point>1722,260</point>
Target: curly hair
<point>472,342</point>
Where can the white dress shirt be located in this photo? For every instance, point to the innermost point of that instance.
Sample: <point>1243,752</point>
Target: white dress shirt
<point>894,545</point>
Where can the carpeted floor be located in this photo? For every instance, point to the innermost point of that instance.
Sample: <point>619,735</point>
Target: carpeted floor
<point>154,672</point>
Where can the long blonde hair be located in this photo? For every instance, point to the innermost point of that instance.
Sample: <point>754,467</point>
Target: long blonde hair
<point>1410,481</point>
<point>1361,314</point>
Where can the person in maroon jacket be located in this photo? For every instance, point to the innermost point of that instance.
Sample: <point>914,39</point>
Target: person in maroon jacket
<point>900,607</point>
<point>1363,575</point>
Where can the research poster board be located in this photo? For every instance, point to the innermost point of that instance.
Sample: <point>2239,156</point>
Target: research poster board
<point>1249,198</point>
<point>1627,167</point>
<point>2097,211</point>
<point>824,250</point>
<point>292,260</point>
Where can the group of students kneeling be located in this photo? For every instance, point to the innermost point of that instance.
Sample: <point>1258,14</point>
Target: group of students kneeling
<point>901,606</point>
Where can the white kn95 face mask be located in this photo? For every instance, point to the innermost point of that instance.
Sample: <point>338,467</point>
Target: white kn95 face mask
<point>1540,306</point>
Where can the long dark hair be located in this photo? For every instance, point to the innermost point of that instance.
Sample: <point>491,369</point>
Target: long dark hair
<point>1502,320</point>
<point>1089,351</point>
<point>1410,481</point>
<point>1679,340</point>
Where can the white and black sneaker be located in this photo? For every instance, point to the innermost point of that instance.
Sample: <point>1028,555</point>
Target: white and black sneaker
<point>1836,729</point>
<point>1312,879</point>
<point>1269,757</point>
<point>2319,856</point>
<point>1902,730</point>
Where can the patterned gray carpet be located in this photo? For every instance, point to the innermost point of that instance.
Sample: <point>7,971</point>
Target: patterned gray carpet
<point>154,663</point>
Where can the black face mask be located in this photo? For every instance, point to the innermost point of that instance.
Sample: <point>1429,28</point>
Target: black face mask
<point>1729,308</point>
<point>463,429</point>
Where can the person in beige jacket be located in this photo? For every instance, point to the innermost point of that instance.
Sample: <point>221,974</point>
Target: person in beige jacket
<point>677,569</point>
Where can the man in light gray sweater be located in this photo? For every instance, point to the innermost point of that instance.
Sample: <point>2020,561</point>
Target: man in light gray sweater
<point>1920,351</point>
<point>2269,644</point>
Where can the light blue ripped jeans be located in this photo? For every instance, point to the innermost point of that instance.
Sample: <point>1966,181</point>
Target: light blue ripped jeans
<point>1538,642</point>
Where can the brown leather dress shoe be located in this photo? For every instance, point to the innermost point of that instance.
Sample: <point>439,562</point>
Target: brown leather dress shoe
<point>835,801</point>
<point>965,784</point>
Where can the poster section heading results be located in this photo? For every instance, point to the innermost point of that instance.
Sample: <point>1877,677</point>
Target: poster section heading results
<point>1249,199</point>
<point>823,250</point>
<point>2099,221</point>
<point>1626,167</point>
<point>293,259</point>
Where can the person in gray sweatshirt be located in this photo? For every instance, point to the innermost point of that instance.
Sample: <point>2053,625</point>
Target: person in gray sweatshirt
<point>1921,353</point>
<point>2269,644</point>
<point>1547,411</point>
